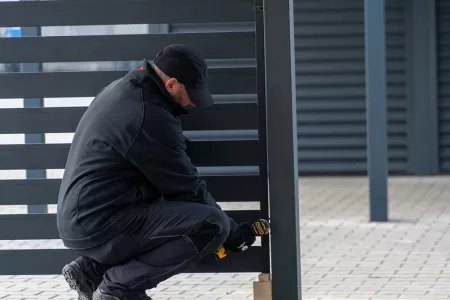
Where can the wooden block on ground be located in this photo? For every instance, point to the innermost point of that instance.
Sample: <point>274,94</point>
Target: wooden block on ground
<point>262,289</point>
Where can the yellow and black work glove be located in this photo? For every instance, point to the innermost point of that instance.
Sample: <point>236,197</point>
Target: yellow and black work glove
<point>240,240</point>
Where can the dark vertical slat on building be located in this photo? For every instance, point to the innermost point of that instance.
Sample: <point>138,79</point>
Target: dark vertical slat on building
<point>443,68</point>
<point>282,148</point>
<point>37,138</point>
<point>376,108</point>
<point>422,88</point>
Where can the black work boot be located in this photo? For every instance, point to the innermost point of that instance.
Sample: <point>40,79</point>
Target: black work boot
<point>100,294</point>
<point>79,281</point>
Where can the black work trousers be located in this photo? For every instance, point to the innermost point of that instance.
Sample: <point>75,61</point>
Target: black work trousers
<point>166,239</point>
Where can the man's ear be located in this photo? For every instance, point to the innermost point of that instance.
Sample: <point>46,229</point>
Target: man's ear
<point>170,83</point>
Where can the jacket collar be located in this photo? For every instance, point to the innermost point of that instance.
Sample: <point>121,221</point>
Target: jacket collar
<point>146,71</point>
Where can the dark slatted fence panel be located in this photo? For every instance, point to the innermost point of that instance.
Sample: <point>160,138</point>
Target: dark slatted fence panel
<point>224,140</point>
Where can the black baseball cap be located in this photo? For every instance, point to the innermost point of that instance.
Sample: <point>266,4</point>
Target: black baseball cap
<point>189,68</point>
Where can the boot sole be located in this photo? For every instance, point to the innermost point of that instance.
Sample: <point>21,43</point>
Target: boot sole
<point>71,278</point>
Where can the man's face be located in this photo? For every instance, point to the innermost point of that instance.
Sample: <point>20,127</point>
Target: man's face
<point>179,93</point>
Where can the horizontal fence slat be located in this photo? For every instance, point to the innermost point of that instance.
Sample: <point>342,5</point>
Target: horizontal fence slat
<point>66,119</point>
<point>217,45</point>
<point>224,153</point>
<point>29,191</point>
<point>43,226</point>
<point>342,168</point>
<point>324,155</point>
<point>45,191</point>
<point>89,84</point>
<point>83,12</point>
<point>252,260</point>
<point>222,117</point>
<point>334,143</point>
<point>40,120</point>
<point>51,262</point>
<point>202,153</point>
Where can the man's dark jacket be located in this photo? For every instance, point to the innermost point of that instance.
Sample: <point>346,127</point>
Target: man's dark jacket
<point>128,150</point>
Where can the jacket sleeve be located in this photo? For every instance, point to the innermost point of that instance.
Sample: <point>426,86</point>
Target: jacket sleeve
<point>159,152</point>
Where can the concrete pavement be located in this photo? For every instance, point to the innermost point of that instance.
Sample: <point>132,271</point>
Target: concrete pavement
<point>343,255</point>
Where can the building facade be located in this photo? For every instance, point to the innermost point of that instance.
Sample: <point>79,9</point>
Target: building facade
<point>330,67</point>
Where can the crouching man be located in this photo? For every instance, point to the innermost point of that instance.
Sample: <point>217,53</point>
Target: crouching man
<point>131,203</point>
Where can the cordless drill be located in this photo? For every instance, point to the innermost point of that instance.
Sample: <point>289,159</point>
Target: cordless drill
<point>258,228</point>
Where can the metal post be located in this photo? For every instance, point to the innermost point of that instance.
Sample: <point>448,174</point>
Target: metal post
<point>262,125</point>
<point>34,102</point>
<point>376,106</point>
<point>158,28</point>
<point>423,132</point>
<point>282,148</point>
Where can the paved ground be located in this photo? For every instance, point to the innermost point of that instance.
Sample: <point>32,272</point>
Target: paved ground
<point>343,256</point>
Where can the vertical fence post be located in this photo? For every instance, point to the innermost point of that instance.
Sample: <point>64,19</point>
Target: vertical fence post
<point>262,124</point>
<point>376,106</point>
<point>282,148</point>
<point>37,138</point>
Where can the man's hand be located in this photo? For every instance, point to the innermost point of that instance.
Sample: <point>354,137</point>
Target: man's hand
<point>241,239</point>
